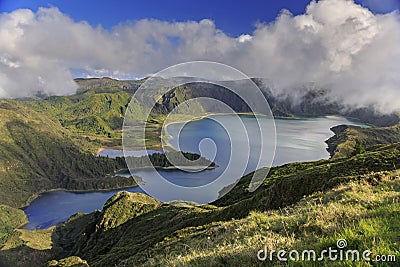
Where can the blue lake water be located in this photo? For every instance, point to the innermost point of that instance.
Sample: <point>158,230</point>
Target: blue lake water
<point>297,140</point>
<point>54,207</point>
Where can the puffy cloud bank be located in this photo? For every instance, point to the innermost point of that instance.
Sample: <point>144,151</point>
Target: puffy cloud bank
<point>337,44</point>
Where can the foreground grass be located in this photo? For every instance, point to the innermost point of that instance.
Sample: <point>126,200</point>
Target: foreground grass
<point>366,215</point>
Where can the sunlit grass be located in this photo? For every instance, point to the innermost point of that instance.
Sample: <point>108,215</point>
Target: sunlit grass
<point>367,216</point>
<point>37,239</point>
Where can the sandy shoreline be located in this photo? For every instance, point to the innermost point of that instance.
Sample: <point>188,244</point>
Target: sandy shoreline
<point>100,149</point>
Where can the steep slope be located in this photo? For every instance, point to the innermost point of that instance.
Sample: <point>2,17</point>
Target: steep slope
<point>98,112</point>
<point>36,154</point>
<point>366,215</point>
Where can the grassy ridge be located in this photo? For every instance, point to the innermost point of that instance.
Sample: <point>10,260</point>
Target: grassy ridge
<point>288,183</point>
<point>367,216</point>
<point>345,138</point>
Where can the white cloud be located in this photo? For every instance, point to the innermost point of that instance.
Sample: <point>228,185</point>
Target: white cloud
<point>336,43</point>
<point>244,38</point>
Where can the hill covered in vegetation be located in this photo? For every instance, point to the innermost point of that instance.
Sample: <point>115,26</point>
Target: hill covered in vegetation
<point>346,137</point>
<point>299,204</point>
<point>37,154</point>
<point>163,160</point>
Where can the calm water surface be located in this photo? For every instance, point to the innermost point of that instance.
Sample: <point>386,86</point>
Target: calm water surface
<point>297,140</point>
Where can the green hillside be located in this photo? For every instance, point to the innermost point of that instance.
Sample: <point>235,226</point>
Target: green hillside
<point>93,112</point>
<point>36,155</point>
<point>10,218</point>
<point>298,205</point>
<point>346,137</point>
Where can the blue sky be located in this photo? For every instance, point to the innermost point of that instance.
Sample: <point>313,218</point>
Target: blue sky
<point>233,17</point>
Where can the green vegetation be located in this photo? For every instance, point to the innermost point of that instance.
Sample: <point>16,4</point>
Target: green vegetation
<point>366,216</point>
<point>96,112</point>
<point>349,138</point>
<point>72,261</point>
<point>27,248</point>
<point>93,113</point>
<point>10,218</point>
<point>124,206</point>
<point>34,239</point>
<point>107,85</point>
<point>162,160</point>
<point>37,155</point>
<point>166,226</point>
<point>358,148</point>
